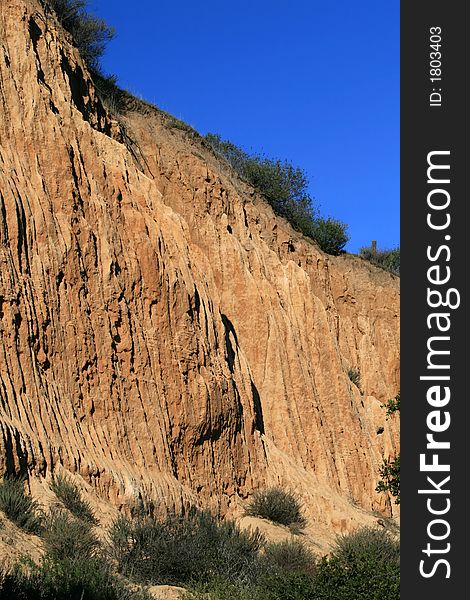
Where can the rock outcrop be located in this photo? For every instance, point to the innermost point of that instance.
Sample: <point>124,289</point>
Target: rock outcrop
<point>162,332</point>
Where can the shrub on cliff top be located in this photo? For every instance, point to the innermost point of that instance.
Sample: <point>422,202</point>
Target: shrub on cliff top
<point>388,259</point>
<point>89,32</point>
<point>330,234</point>
<point>285,187</point>
<point>91,35</point>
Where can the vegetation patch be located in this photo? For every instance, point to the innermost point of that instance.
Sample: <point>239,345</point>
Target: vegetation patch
<point>390,478</point>
<point>365,565</point>
<point>288,585</point>
<point>114,99</point>
<point>390,470</point>
<point>354,376</point>
<point>330,234</point>
<point>90,33</point>
<point>387,259</point>
<point>177,550</point>
<point>65,579</point>
<point>70,496</point>
<point>276,505</point>
<point>211,558</point>
<point>393,405</point>
<point>291,556</point>
<point>65,535</point>
<point>74,566</point>
<point>18,507</point>
<point>285,187</point>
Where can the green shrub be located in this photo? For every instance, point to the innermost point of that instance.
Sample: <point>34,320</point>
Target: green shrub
<point>235,156</point>
<point>285,187</point>
<point>73,567</point>
<point>365,565</point>
<point>177,550</point>
<point>285,586</point>
<point>330,234</point>
<point>90,33</point>
<point>277,505</point>
<point>390,469</point>
<point>393,405</point>
<point>387,259</point>
<point>390,478</point>
<point>70,496</point>
<point>220,588</point>
<point>368,545</point>
<point>65,579</point>
<point>18,507</point>
<point>111,95</point>
<point>354,376</point>
<point>66,536</point>
<point>275,586</point>
<point>289,556</point>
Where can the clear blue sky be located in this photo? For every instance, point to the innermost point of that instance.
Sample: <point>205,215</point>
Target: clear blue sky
<point>315,82</point>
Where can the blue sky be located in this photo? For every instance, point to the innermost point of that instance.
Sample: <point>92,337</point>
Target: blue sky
<point>315,82</point>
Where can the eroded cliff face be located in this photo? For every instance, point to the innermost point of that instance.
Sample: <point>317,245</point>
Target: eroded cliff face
<point>162,332</point>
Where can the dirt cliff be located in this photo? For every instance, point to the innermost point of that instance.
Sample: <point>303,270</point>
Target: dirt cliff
<point>162,332</point>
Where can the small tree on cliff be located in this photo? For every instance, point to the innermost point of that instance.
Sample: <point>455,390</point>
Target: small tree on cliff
<point>390,469</point>
<point>90,33</point>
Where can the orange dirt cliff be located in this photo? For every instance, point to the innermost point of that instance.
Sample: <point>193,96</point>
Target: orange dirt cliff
<point>162,332</point>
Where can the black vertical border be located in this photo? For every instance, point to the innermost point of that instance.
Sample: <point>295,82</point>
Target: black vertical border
<point>425,129</point>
